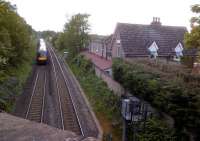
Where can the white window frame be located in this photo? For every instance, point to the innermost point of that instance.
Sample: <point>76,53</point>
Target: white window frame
<point>118,41</point>
<point>179,50</point>
<point>153,49</point>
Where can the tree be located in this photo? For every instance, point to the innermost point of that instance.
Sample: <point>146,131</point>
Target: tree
<point>16,50</point>
<point>47,35</point>
<point>75,36</point>
<point>15,37</point>
<point>192,39</point>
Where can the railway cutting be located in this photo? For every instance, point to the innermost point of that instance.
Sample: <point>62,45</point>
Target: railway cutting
<point>50,97</point>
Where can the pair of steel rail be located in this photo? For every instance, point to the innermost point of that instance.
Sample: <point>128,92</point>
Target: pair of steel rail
<point>36,105</point>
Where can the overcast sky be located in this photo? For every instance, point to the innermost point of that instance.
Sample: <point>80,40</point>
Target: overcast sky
<point>52,14</point>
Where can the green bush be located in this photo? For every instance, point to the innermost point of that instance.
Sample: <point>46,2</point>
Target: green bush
<point>156,130</point>
<point>172,96</point>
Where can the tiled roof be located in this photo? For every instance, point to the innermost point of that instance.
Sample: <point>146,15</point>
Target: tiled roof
<point>136,38</point>
<point>100,62</point>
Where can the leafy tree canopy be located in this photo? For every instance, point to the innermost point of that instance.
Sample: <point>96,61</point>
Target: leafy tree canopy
<point>15,37</point>
<point>192,40</point>
<point>75,36</point>
<point>16,52</point>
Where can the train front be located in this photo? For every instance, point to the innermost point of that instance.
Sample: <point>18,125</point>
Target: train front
<point>42,53</point>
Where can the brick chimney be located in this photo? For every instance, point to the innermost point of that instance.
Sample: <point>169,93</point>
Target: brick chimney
<point>156,21</point>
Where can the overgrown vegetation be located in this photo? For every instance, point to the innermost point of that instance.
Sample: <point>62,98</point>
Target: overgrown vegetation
<point>107,105</point>
<point>96,89</point>
<point>16,53</point>
<point>156,130</point>
<point>103,101</point>
<point>75,35</point>
<point>175,94</point>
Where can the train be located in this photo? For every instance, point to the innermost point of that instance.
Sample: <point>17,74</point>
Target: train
<point>42,56</point>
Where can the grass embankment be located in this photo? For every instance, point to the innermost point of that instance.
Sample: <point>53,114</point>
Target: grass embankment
<point>104,102</point>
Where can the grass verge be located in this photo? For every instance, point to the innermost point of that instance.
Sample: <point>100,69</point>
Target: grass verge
<point>104,102</point>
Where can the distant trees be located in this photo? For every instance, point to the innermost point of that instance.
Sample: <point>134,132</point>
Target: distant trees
<point>75,35</point>
<point>47,35</point>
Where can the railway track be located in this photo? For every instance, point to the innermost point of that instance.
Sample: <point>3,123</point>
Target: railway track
<point>68,113</point>
<point>35,111</point>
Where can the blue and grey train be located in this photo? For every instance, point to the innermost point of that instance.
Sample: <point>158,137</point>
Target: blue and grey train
<point>42,52</point>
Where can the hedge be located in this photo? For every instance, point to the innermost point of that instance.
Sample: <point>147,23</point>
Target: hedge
<point>174,96</point>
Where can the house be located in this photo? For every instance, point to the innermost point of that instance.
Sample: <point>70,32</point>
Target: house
<point>137,40</point>
<point>96,45</point>
<point>97,52</point>
<point>99,62</point>
<point>154,40</point>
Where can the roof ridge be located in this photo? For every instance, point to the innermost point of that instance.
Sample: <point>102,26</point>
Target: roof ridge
<point>120,23</point>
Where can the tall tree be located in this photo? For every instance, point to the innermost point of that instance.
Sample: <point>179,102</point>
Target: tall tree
<point>75,35</point>
<point>192,39</point>
<point>16,52</point>
<point>15,37</point>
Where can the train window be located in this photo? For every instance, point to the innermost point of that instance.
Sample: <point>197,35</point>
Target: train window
<point>42,53</point>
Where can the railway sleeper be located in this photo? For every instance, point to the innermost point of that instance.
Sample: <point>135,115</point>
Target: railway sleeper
<point>36,106</point>
<point>37,103</point>
<point>37,99</point>
<point>34,117</point>
<point>35,113</point>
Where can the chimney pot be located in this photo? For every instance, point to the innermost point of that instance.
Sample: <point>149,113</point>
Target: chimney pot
<point>156,21</point>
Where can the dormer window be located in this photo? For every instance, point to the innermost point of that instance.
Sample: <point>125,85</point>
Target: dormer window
<point>179,51</point>
<point>118,41</point>
<point>153,49</point>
